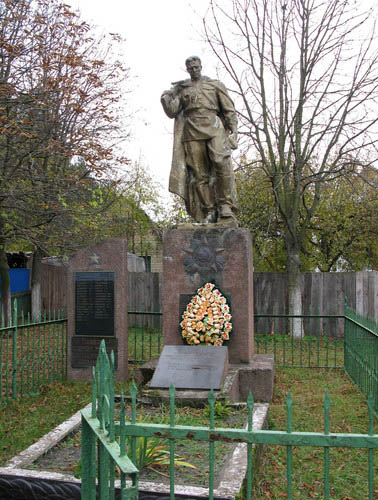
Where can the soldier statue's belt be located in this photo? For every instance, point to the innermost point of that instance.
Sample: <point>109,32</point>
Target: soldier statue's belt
<point>196,113</point>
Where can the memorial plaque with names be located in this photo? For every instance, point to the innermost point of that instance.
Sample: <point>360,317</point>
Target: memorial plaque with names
<point>191,367</point>
<point>94,303</point>
<point>85,350</point>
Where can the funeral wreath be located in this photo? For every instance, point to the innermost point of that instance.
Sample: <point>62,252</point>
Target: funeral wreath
<point>207,319</point>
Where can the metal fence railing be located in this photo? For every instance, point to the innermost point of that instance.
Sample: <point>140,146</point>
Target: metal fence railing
<point>321,344</point>
<point>103,443</point>
<point>101,428</point>
<point>361,353</point>
<point>31,353</point>
<point>145,337</point>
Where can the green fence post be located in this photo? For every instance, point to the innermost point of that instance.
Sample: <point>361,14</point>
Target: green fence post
<point>289,450</point>
<point>1,365</point>
<point>133,392</point>
<point>22,336</point>
<point>370,403</point>
<point>14,353</point>
<point>172,392</point>
<point>111,432</point>
<point>250,404</point>
<point>88,461</point>
<point>327,404</point>
<point>211,400</point>
<point>7,367</point>
<point>122,443</point>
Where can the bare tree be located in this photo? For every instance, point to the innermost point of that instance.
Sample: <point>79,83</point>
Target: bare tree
<point>304,74</point>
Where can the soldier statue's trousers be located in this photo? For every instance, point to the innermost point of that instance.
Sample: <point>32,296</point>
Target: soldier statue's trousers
<point>210,170</point>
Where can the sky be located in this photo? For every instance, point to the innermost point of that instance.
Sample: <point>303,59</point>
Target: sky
<point>159,35</point>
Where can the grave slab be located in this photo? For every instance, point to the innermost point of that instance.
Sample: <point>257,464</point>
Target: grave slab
<point>191,367</point>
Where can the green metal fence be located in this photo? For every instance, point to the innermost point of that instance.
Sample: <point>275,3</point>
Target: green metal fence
<point>361,353</point>
<point>22,300</point>
<point>31,353</point>
<point>99,426</point>
<point>99,430</point>
<point>35,352</point>
<point>320,346</point>
<point>145,339</point>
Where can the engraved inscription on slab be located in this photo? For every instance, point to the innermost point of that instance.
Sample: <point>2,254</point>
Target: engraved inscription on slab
<point>94,303</point>
<point>191,367</point>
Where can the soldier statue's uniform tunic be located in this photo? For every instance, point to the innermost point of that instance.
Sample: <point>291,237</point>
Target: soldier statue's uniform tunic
<point>205,128</point>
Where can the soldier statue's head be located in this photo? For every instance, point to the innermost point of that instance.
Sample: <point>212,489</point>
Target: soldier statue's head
<point>194,67</point>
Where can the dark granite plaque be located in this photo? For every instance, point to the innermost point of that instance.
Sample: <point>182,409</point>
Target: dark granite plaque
<point>94,303</point>
<point>191,367</point>
<point>85,350</point>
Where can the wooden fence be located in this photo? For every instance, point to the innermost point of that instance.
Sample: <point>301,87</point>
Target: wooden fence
<point>145,291</point>
<point>53,287</point>
<point>323,293</point>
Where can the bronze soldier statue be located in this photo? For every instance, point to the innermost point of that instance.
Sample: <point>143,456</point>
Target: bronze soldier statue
<point>205,132</point>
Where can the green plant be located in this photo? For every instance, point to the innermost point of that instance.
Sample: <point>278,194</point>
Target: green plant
<point>220,410</point>
<point>153,452</point>
<point>77,469</point>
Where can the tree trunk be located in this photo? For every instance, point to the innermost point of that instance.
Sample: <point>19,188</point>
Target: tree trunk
<point>36,278</point>
<point>5,288</point>
<point>293,267</point>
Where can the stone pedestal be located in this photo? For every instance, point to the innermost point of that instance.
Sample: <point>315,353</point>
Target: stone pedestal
<point>257,376</point>
<point>97,308</point>
<point>192,257</point>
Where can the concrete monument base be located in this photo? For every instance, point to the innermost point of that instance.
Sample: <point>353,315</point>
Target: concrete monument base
<point>257,376</point>
<point>223,256</point>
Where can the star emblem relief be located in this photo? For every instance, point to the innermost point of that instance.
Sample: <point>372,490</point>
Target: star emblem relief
<point>203,256</point>
<point>94,260</point>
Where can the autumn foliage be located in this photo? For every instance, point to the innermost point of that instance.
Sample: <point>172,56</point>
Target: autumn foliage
<point>61,93</point>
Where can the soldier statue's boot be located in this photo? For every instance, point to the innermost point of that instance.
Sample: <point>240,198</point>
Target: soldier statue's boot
<point>224,185</point>
<point>225,211</point>
<point>204,194</point>
<point>211,217</point>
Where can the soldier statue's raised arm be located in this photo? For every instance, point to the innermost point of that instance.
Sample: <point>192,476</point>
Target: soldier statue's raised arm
<point>205,132</point>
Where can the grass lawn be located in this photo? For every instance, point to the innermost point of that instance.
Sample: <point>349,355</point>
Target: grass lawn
<point>348,414</point>
<point>24,421</point>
